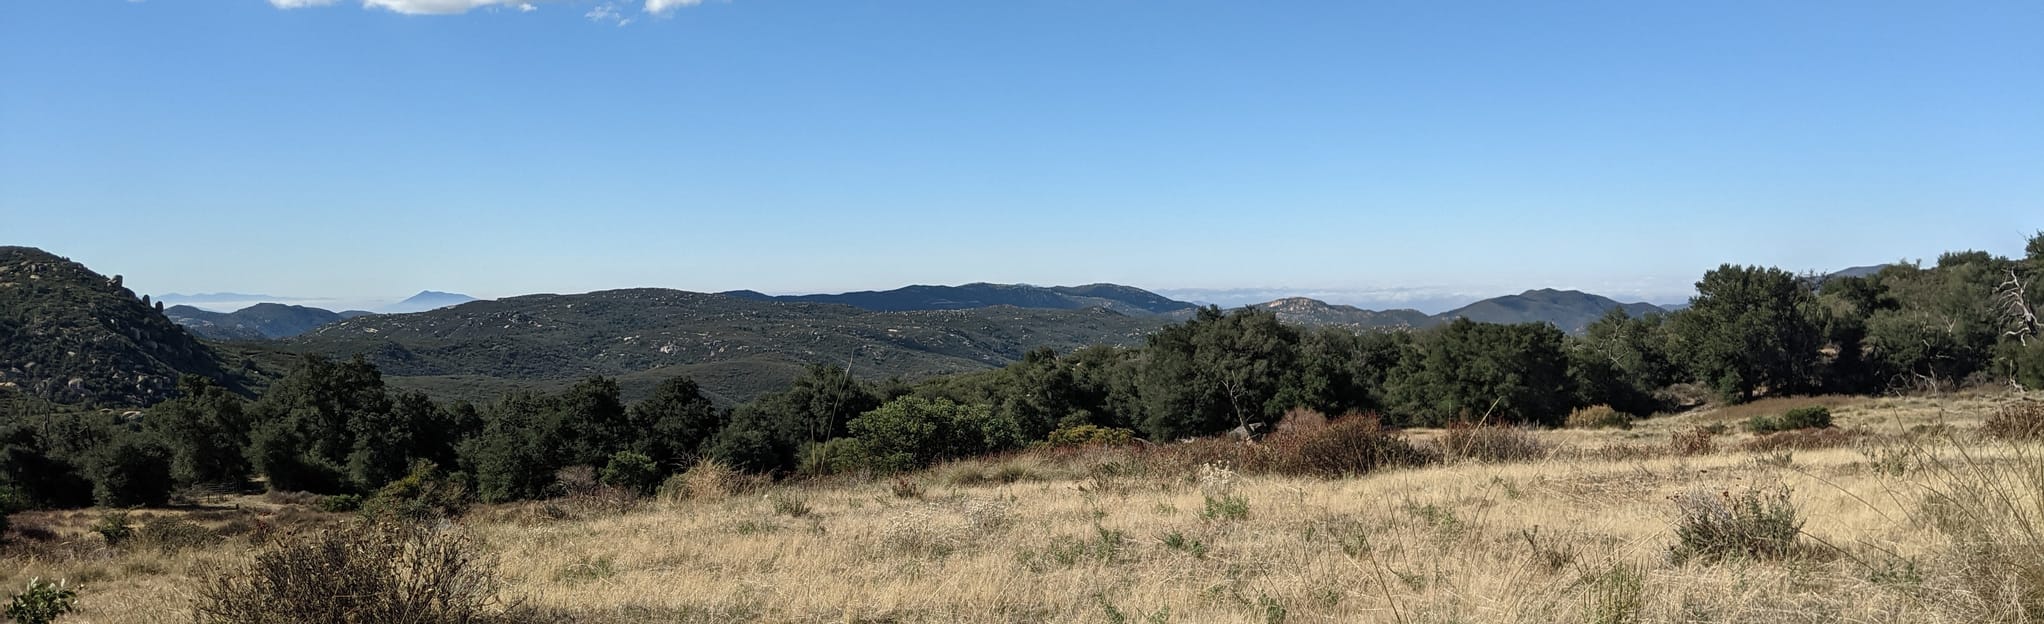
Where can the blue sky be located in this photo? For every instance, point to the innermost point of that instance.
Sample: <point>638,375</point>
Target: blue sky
<point>1364,152</point>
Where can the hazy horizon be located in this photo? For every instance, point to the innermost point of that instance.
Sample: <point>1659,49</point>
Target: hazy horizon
<point>362,150</point>
<point>1431,300</point>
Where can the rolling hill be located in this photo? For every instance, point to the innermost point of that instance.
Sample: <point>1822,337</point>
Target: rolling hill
<point>1570,310</point>
<point>737,347</point>
<point>257,322</point>
<point>1316,313</point>
<point>1123,299</point>
<point>70,335</point>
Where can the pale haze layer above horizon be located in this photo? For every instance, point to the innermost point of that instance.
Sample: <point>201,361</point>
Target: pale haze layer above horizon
<point>1377,154</point>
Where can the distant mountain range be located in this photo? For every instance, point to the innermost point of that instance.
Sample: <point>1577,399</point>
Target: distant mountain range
<point>1570,310</point>
<point>257,322</point>
<point>69,334</point>
<point>1122,299</point>
<point>734,346</point>
<point>219,297</point>
<point>267,321</point>
<point>222,301</point>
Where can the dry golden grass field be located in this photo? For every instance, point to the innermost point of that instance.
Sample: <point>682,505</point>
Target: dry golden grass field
<point>1910,514</point>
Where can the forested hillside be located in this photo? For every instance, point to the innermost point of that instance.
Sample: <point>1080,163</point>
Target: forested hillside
<point>740,347</point>
<point>1123,299</point>
<point>71,335</point>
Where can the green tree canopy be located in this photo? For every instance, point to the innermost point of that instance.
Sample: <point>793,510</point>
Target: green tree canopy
<point>1471,371</point>
<point>1217,371</point>
<point>1750,328</point>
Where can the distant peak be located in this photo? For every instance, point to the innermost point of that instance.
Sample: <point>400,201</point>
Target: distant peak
<point>429,300</point>
<point>1294,301</point>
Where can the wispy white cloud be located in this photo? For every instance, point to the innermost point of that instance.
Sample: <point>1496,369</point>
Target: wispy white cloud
<point>606,13</point>
<point>616,12</point>
<point>415,7</point>
<point>662,7</point>
<point>436,7</point>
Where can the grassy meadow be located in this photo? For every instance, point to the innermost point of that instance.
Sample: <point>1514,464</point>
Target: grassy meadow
<point>1908,512</point>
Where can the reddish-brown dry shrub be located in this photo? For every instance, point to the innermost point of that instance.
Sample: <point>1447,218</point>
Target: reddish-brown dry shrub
<point>1351,446</point>
<point>1692,441</point>
<point>1300,419</point>
<point>1184,458</point>
<point>2020,421</point>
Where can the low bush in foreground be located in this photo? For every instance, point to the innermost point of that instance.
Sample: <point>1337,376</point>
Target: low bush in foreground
<point>1759,523</point>
<point>41,602</point>
<point>363,573</point>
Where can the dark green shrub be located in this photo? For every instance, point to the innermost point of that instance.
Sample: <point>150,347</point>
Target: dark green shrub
<point>423,494</point>
<point>1225,507</point>
<point>43,475</point>
<point>115,527</point>
<point>10,502</point>
<point>834,456</point>
<point>631,471</point>
<point>1090,435</point>
<point>366,572</point>
<point>913,432</point>
<point>41,602</point>
<point>340,503</point>
<point>1760,523</point>
<point>132,471</point>
<point>1812,417</point>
